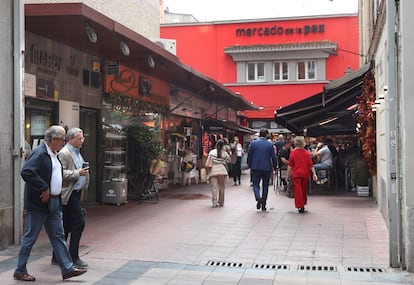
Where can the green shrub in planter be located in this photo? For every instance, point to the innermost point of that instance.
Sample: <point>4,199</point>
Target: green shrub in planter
<point>361,172</point>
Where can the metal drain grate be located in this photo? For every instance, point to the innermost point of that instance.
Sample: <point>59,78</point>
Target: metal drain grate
<point>224,263</point>
<point>271,266</point>
<point>365,269</point>
<point>316,268</point>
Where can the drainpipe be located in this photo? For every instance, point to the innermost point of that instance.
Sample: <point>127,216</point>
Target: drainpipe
<point>18,112</point>
<point>392,136</point>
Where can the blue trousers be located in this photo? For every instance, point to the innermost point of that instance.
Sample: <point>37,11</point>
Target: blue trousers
<point>264,177</point>
<point>319,167</point>
<point>52,222</point>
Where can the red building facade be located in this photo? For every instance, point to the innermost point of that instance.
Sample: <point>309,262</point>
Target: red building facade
<point>272,63</point>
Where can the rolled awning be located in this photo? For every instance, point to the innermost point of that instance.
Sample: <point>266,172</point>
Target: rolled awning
<point>220,125</point>
<point>329,112</point>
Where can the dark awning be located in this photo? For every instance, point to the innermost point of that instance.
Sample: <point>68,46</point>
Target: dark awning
<point>329,112</point>
<point>65,23</point>
<point>220,125</point>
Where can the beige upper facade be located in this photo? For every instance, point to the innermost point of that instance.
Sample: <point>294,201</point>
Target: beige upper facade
<point>141,16</point>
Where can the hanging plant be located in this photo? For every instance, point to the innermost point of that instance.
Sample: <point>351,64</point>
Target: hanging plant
<point>366,119</point>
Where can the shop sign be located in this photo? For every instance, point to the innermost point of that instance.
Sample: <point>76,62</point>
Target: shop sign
<point>280,30</point>
<point>47,63</point>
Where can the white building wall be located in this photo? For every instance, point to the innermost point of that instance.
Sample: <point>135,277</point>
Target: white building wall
<point>382,161</point>
<point>407,128</point>
<point>6,130</point>
<point>141,16</point>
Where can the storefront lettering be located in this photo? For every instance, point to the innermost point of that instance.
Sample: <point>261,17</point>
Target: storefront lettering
<point>71,69</point>
<point>45,60</point>
<point>279,30</point>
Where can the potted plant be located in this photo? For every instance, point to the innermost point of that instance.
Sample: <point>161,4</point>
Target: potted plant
<point>143,148</point>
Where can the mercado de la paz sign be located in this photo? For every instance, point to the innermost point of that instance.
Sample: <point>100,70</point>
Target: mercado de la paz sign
<point>279,30</point>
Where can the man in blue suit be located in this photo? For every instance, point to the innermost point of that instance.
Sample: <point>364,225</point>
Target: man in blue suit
<point>262,161</point>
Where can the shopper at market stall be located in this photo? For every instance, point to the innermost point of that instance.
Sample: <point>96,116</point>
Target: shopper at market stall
<point>217,175</point>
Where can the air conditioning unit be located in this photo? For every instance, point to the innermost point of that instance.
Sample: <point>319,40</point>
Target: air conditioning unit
<point>168,44</point>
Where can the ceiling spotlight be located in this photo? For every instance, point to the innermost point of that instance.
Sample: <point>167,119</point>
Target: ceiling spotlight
<point>151,61</point>
<point>90,33</point>
<point>124,48</point>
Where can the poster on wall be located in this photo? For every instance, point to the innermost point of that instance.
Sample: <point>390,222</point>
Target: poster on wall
<point>37,125</point>
<point>45,88</point>
<point>69,114</point>
<point>30,85</point>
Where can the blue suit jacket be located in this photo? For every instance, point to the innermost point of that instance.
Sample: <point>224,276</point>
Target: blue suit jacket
<point>261,155</point>
<point>37,173</point>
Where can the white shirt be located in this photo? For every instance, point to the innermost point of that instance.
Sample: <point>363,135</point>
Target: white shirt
<point>56,180</point>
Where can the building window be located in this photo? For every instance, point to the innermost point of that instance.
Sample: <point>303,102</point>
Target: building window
<point>280,71</point>
<point>256,71</point>
<point>306,70</point>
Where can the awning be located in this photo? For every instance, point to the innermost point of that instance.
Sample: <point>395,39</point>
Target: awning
<point>66,22</point>
<point>329,112</point>
<point>220,125</point>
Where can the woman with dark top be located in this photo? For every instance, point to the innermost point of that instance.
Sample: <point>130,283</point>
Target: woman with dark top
<point>237,154</point>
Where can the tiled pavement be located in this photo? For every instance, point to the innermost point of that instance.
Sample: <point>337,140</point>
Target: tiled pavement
<point>341,239</point>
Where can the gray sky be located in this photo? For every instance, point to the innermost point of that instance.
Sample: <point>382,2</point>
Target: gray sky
<point>215,10</point>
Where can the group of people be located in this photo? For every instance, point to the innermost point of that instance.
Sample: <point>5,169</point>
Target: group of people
<point>56,178</point>
<point>300,159</point>
<point>264,156</point>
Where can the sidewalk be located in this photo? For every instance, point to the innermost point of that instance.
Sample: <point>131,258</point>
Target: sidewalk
<point>341,239</point>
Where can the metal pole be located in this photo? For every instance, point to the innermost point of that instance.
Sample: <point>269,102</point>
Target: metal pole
<point>392,136</point>
<point>18,112</point>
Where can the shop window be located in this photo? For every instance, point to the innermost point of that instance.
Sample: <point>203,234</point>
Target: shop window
<point>306,70</point>
<point>91,78</point>
<point>95,79</point>
<point>280,71</point>
<point>256,71</point>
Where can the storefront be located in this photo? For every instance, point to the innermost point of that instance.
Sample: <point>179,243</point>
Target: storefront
<point>62,86</point>
<point>107,79</point>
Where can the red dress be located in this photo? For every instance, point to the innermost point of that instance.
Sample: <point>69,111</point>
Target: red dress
<point>301,162</point>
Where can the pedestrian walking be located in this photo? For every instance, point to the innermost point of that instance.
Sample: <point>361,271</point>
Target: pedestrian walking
<point>237,154</point>
<point>75,185</point>
<point>262,161</point>
<point>300,166</point>
<point>217,175</point>
<point>42,173</point>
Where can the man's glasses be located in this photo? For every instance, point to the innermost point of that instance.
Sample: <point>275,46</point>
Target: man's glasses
<point>60,139</point>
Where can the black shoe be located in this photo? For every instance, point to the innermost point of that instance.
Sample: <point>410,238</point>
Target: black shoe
<point>79,263</point>
<point>75,272</point>
<point>259,204</point>
<point>54,261</point>
<point>264,208</point>
<point>301,210</point>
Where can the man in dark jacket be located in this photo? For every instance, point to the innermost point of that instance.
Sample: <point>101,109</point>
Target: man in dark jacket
<point>42,173</point>
<point>262,161</point>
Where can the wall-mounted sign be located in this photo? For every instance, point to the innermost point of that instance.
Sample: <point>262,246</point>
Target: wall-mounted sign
<point>45,88</point>
<point>30,85</point>
<point>280,30</point>
<point>37,125</point>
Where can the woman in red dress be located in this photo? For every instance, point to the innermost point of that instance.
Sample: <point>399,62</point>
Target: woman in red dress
<point>300,162</point>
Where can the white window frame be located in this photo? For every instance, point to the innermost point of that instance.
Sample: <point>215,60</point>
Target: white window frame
<point>281,65</point>
<point>309,65</point>
<point>256,75</point>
